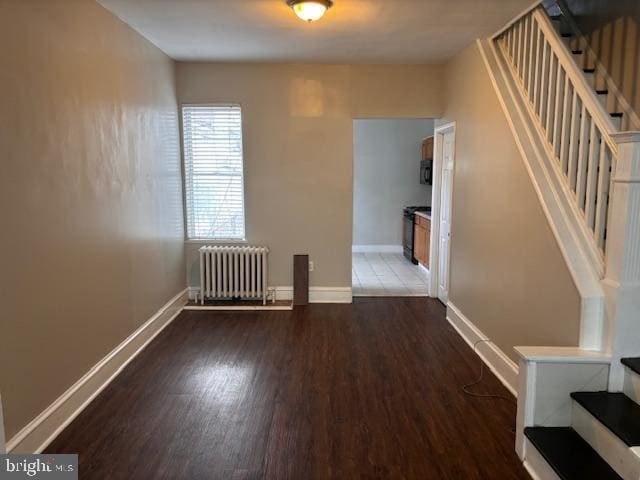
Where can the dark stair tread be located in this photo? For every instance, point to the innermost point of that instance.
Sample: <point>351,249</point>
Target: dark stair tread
<point>577,52</point>
<point>589,70</point>
<point>632,363</point>
<point>616,411</point>
<point>566,35</point>
<point>616,114</point>
<point>602,92</point>
<point>570,456</point>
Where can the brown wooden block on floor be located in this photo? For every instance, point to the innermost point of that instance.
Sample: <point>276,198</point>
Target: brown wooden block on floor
<point>301,279</point>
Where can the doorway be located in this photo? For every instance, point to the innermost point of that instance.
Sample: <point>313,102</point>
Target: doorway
<point>440,255</point>
<point>391,202</point>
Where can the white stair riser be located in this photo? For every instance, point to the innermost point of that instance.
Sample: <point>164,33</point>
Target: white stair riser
<point>632,385</point>
<point>579,58</point>
<point>536,465</point>
<point>617,121</point>
<point>604,99</point>
<point>591,79</point>
<point>614,451</point>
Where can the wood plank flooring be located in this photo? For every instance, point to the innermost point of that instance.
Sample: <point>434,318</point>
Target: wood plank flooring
<point>368,391</point>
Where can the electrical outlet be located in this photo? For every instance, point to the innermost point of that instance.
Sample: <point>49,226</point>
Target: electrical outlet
<point>311,266</point>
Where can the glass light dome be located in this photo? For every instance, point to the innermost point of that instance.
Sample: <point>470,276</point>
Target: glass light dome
<point>310,10</point>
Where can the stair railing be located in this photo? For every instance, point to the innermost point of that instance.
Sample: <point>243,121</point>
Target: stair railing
<point>630,119</point>
<point>599,169</point>
<point>576,127</point>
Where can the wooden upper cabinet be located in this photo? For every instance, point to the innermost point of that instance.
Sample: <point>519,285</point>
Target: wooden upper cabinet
<point>427,149</point>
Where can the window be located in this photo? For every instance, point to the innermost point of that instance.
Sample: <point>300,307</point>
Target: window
<point>213,171</point>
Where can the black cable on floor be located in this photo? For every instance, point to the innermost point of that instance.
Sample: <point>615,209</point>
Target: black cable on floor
<point>465,388</point>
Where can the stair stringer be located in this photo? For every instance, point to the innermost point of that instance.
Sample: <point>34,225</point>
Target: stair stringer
<point>567,229</point>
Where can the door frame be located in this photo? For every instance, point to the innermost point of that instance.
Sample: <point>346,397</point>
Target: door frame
<point>3,441</point>
<point>434,243</point>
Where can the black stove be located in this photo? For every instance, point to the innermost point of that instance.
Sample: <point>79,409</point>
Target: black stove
<point>407,237</point>
<point>412,210</point>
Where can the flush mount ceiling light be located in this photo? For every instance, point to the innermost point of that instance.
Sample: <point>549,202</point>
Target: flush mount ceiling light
<point>310,10</point>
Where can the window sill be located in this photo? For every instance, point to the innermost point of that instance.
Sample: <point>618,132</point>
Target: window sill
<point>211,241</point>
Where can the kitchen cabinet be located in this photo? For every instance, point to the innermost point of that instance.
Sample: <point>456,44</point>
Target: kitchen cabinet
<point>427,149</point>
<point>421,239</point>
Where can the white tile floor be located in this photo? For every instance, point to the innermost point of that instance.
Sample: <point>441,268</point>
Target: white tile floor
<point>387,274</point>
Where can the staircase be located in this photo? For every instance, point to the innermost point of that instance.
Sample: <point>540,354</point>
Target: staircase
<point>623,116</point>
<point>578,407</point>
<point>603,441</point>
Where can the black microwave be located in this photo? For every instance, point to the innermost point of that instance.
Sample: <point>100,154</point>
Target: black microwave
<point>426,172</point>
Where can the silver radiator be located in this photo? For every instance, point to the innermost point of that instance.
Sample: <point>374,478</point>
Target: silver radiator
<point>228,272</point>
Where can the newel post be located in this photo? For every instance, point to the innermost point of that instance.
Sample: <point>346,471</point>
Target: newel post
<point>622,271</point>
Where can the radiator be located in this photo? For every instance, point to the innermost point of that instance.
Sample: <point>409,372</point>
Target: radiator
<point>228,272</point>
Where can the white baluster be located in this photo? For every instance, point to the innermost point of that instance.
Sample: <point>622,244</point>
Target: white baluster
<point>523,47</point>
<point>517,34</point>
<point>575,138</point>
<point>533,35</point>
<point>544,83</point>
<point>592,176</point>
<point>551,97</point>
<point>565,130</point>
<point>526,51</point>
<point>583,152</point>
<point>537,67</point>
<point>557,109</point>
<point>602,206</point>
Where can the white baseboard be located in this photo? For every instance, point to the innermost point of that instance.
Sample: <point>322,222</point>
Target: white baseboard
<point>502,366</point>
<point>319,294</point>
<point>316,295</point>
<point>34,437</point>
<point>376,249</point>
<point>330,295</point>
<point>239,308</point>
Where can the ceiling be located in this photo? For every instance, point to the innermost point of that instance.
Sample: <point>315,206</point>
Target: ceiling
<point>353,31</point>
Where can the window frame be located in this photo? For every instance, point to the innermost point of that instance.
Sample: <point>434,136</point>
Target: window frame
<point>211,240</point>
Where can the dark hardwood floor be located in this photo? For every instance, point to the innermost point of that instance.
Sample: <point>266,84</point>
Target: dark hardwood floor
<point>368,391</point>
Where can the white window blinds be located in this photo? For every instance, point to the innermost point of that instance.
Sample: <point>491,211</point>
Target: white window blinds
<point>213,167</point>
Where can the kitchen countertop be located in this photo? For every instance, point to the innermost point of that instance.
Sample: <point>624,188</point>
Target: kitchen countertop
<point>426,215</point>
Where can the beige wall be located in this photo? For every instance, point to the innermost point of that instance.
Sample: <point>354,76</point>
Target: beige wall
<point>90,194</point>
<point>507,273</point>
<point>297,126</point>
